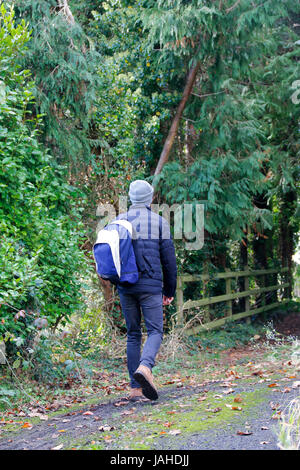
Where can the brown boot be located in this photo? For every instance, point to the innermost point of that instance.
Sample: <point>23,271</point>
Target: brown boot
<point>135,394</point>
<point>143,376</point>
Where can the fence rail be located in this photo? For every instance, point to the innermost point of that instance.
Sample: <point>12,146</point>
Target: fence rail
<point>228,297</point>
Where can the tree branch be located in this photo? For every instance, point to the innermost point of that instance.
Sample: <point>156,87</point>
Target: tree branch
<point>233,6</point>
<point>208,94</point>
<point>64,7</point>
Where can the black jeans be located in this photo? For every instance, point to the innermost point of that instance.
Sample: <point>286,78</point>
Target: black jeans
<point>151,307</point>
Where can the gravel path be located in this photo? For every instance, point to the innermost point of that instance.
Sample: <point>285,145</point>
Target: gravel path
<point>75,424</point>
<point>226,437</point>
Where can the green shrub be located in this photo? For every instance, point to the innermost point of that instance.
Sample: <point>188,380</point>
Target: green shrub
<point>41,232</point>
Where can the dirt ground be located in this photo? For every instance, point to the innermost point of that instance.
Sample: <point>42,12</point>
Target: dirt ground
<point>289,325</point>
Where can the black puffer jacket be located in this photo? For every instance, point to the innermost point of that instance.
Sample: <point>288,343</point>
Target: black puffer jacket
<point>154,251</point>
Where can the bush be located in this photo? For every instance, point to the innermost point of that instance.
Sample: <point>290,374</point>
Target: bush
<point>40,224</point>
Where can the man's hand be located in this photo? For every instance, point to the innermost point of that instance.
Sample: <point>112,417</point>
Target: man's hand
<point>167,300</point>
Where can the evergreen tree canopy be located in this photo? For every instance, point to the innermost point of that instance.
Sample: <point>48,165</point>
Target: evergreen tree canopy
<point>64,64</point>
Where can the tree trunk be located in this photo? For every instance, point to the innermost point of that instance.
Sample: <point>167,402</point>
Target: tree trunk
<point>260,260</point>
<point>287,242</point>
<point>107,289</point>
<point>175,124</point>
<point>243,263</point>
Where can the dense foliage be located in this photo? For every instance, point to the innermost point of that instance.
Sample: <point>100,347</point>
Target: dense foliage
<point>40,225</point>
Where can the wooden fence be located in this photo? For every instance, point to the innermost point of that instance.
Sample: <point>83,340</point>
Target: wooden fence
<point>229,296</point>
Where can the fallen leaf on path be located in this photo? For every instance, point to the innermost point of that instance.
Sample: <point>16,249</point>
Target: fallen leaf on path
<point>274,406</point>
<point>38,415</point>
<point>44,418</point>
<point>27,425</point>
<point>121,403</point>
<point>87,413</point>
<point>168,424</point>
<point>235,408</point>
<point>127,412</point>
<point>106,428</point>
<point>174,432</point>
<point>201,398</point>
<point>264,428</point>
<point>229,373</point>
<point>60,446</point>
<point>272,385</point>
<point>264,442</point>
<point>238,399</point>
<point>213,410</point>
<point>244,433</point>
<point>227,384</point>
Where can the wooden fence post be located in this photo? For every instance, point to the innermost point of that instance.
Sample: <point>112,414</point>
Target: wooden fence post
<point>264,284</point>
<point>247,299</point>
<point>228,291</point>
<point>206,316</point>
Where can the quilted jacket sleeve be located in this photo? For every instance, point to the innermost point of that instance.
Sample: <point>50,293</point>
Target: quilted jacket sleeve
<point>168,260</point>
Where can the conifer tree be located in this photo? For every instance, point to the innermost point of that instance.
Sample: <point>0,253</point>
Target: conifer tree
<point>64,64</point>
<point>228,159</point>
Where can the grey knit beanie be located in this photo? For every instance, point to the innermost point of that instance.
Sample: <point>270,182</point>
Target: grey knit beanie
<point>141,192</point>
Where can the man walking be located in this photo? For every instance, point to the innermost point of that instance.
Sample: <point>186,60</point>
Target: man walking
<point>156,261</point>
